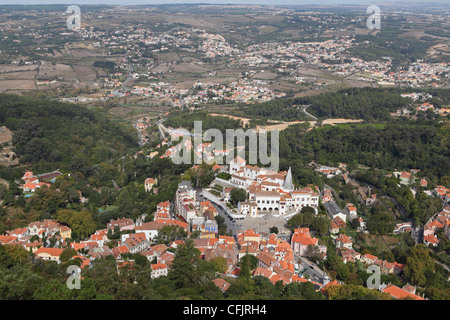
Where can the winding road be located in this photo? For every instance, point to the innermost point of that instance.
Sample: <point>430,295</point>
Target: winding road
<point>307,113</point>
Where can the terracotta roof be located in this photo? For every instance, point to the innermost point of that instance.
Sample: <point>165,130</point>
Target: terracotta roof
<point>222,284</point>
<point>238,160</point>
<point>56,252</point>
<point>371,257</point>
<point>7,239</point>
<point>158,266</point>
<point>399,293</point>
<point>303,237</point>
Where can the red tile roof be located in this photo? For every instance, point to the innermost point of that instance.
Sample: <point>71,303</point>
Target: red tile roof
<point>399,293</point>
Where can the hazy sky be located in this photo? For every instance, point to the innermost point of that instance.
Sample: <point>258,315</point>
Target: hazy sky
<point>271,2</point>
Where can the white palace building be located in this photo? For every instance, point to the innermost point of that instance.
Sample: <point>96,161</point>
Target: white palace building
<point>269,191</point>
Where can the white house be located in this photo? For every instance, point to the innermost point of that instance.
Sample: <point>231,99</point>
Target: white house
<point>149,183</point>
<point>150,229</point>
<point>237,164</point>
<point>159,270</point>
<point>248,208</point>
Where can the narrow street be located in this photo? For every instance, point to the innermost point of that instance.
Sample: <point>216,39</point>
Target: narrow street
<point>314,272</point>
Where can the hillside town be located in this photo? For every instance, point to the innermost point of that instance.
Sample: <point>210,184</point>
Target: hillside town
<point>269,193</point>
<point>202,152</point>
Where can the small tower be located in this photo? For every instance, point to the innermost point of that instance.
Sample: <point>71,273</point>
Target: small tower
<point>288,185</point>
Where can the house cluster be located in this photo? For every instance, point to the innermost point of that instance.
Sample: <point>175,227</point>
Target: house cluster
<point>329,172</point>
<point>136,237</point>
<point>141,125</point>
<point>199,215</point>
<point>276,256</point>
<point>242,90</point>
<point>344,245</point>
<point>38,235</point>
<point>215,45</point>
<point>403,112</point>
<point>33,182</point>
<point>440,221</point>
<point>208,92</point>
<point>429,106</point>
<point>149,185</point>
<point>47,239</point>
<point>338,216</point>
<point>408,178</point>
<point>333,55</point>
<point>402,227</point>
<point>205,150</point>
<point>420,73</point>
<point>188,39</point>
<point>442,192</point>
<point>416,96</point>
<point>301,239</point>
<point>425,107</point>
<point>268,191</point>
<point>386,267</point>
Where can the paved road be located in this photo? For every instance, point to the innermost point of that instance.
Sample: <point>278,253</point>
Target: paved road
<point>130,70</point>
<point>314,272</point>
<point>233,226</point>
<point>161,129</point>
<point>307,113</point>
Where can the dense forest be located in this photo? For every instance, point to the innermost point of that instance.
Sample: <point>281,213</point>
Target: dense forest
<point>277,109</point>
<point>355,103</point>
<point>390,147</point>
<point>54,135</point>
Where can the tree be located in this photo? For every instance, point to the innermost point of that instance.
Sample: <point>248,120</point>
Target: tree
<point>303,219</point>
<point>67,254</point>
<point>417,264</point>
<point>307,209</point>
<point>220,264</point>
<point>313,253</point>
<point>250,260</point>
<point>81,223</point>
<point>304,290</point>
<point>237,195</point>
<point>169,234</point>
<point>274,229</point>
<point>140,260</point>
<point>17,254</point>
<point>19,283</point>
<point>5,258</point>
<point>183,270</point>
<point>355,292</point>
<point>211,292</point>
<point>321,225</point>
<point>221,224</point>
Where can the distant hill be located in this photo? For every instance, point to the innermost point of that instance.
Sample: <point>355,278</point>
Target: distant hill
<point>62,135</point>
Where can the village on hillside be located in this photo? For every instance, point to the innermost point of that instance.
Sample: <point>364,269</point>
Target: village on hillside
<point>267,193</point>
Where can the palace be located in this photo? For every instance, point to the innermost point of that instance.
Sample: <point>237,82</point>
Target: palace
<point>269,191</point>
